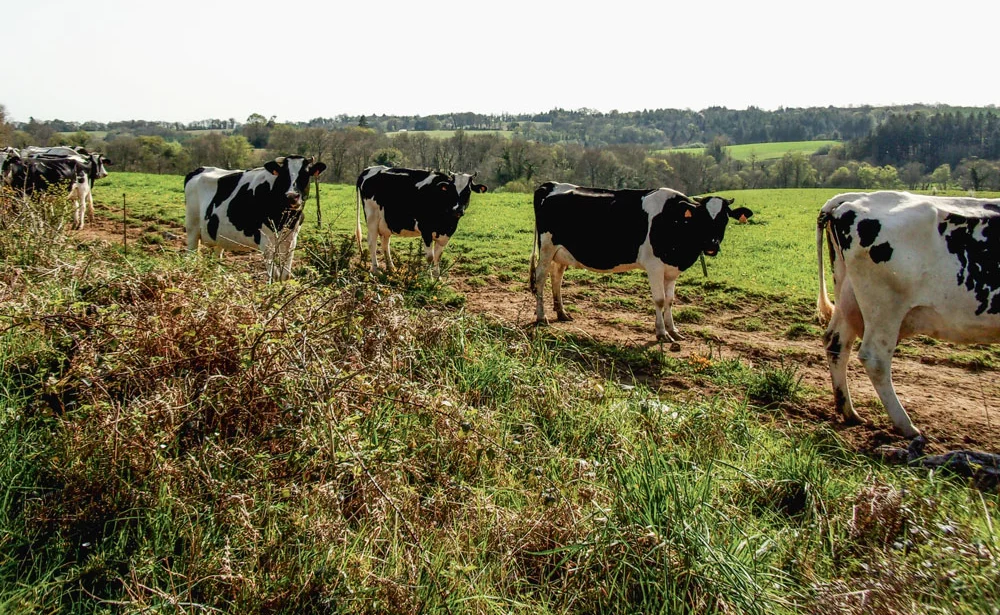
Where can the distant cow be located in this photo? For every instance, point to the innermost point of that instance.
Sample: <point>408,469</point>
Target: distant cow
<point>32,175</point>
<point>245,210</point>
<point>661,231</point>
<point>905,264</point>
<point>5,153</point>
<point>80,197</point>
<point>412,202</point>
<point>94,162</point>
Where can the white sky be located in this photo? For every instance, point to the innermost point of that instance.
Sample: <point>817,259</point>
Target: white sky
<point>184,60</point>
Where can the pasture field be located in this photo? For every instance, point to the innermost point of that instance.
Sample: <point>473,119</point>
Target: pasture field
<point>763,151</point>
<point>179,437</point>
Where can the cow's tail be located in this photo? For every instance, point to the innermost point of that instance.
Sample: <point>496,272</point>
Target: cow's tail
<point>534,255</point>
<point>357,227</point>
<point>824,307</point>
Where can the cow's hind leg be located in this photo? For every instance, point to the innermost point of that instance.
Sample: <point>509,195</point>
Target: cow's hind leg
<point>556,276</point>
<point>838,341</point>
<point>875,354</point>
<point>546,253</point>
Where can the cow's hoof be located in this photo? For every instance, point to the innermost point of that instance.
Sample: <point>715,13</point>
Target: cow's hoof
<point>675,347</point>
<point>541,323</point>
<point>563,317</point>
<point>675,335</point>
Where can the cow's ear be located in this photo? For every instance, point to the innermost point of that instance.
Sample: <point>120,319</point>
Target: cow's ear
<point>273,166</point>
<point>740,213</point>
<point>480,188</point>
<point>106,162</point>
<point>318,168</point>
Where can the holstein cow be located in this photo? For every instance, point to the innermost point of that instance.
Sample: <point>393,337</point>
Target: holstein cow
<point>412,202</point>
<point>256,209</point>
<point>5,153</point>
<point>80,196</point>
<point>661,231</point>
<point>905,264</point>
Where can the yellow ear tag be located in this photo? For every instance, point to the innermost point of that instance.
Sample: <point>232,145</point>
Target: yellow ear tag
<point>687,213</point>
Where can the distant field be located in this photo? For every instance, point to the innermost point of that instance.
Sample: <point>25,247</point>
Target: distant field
<point>447,134</point>
<point>97,134</point>
<point>763,151</point>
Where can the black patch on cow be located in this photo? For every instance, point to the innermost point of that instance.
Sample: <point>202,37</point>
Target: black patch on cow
<point>602,229</point>
<point>833,346</point>
<point>839,400</point>
<point>881,253</point>
<point>979,260</point>
<point>213,226</point>
<point>868,231</point>
<point>433,207</point>
<point>842,226</point>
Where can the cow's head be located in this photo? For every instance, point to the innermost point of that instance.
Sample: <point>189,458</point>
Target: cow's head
<point>97,163</point>
<point>293,175</point>
<point>465,187</point>
<point>711,215</point>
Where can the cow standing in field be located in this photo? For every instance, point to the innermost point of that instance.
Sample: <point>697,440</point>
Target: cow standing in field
<point>410,203</point>
<point>905,264</point>
<point>80,197</point>
<point>245,210</point>
<point>660,231</point>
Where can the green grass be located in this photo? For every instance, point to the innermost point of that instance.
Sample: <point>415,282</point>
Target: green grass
<point>179,437</point>
<point>762,151</point>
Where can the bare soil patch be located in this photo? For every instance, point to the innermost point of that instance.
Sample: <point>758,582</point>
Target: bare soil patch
<point>956,407</point>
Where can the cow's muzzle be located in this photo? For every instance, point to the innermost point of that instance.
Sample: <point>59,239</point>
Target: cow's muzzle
<point>294,200</point>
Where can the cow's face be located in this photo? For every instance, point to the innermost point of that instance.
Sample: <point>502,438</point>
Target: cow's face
<point>465,187</point>
<point>293,176</point>
<point>98,162</point>
<point>711,217</point>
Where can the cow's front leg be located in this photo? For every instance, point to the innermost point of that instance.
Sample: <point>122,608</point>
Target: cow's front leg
<point>668,298</point>
<point>655,276</point>
<point>432,259</point>
<point>556,276</point>
<point>90,205</point>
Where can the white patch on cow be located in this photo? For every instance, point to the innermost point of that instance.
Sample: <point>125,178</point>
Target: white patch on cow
<point>561,188</point>
<point>653,202</point>
<point>371,172</point>
<point>426,181</point>
<point>714,206</point>
<point>462,180</point>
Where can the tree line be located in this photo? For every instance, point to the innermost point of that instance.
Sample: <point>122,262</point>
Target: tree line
<point>912,147</point>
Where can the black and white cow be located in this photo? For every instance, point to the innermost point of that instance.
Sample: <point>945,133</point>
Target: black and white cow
<point>38,174</point>
<point>412,202</point>
<point>6,153</point>
<point>260,208</point>
<point>661,231</point>
<point>95,162</point>
<point>905,264</point>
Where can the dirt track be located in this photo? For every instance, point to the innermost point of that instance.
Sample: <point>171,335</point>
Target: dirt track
<point>954,406</point>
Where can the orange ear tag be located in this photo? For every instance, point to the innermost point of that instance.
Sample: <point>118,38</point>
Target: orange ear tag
<point>743,219</point>
<point>687,213</point>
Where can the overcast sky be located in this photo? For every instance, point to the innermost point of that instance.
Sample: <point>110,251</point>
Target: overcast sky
<point>183,60</point>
